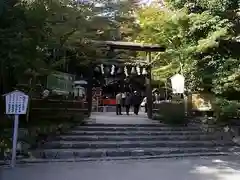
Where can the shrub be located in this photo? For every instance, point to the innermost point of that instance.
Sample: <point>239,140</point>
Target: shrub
<point>4,146</point>
<point>171,113</point>
<point>37,132</point>
<point>226,110</point>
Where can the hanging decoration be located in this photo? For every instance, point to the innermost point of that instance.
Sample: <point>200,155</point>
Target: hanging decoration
<point>102,68</point>
<point>133,71</point>
<point>144,72</point>
<point>138,70</point>
<point>126,71</point>
<point>112,70</point>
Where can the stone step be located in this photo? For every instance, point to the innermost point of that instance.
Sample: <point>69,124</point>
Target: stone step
<point>121,128</point>
<point>126,152</point>
<point>135,138</point>
<point>163,156</point>
<point>129,125</point>
<point>132,133</point>
<point>134,144</point>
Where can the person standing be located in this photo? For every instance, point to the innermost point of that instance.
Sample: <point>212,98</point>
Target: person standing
<point>157,97</point>
<point>136,102</point>
<point>144,104</point>
<point>119,104</point>
<point>128,102</point>
<point>123,99</point>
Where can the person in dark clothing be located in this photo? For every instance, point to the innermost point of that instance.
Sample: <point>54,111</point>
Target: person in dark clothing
<point>136,101</point>
<point>128,103</point>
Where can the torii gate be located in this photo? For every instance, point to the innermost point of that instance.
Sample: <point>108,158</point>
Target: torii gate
<point>132,47</point>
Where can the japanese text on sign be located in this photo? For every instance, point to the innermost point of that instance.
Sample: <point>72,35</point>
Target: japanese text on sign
<point>16,103</point>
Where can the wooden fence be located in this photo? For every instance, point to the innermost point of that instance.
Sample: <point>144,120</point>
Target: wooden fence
<point>50,108</point>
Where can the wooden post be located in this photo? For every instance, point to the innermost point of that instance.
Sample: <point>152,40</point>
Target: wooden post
<point>166,91</point>
<point>89,89</point>
<point>122,77</point>
<point>149,88</point>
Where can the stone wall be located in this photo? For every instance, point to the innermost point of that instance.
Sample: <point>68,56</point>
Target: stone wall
<point>56,108</point>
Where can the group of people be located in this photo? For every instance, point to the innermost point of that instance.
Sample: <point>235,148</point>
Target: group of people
<point>127,100</point>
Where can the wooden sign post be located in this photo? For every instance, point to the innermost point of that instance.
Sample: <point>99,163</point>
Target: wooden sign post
<point>16,104</point>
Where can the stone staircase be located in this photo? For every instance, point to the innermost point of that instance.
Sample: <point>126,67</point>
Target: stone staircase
<point>129,141</point>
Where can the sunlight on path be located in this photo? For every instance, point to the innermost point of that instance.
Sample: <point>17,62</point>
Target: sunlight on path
<point>212,168</point>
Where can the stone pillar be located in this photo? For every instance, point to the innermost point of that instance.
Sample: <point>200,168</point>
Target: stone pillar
<point>149,87</point>
<point>89,89</point>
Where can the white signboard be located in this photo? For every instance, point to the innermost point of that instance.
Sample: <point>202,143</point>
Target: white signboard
<point>16,103</point>
<point>177,82</point>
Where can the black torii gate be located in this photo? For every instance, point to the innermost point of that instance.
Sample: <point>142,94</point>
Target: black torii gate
<point>112,45</point>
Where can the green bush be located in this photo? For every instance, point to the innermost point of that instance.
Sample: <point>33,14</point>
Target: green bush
<point>5,145</point>
<point>171,113</point>
<point>38,132</point>
<point>226,110</point>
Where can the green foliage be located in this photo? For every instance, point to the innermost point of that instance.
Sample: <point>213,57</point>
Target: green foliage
<point>172,113</point>
<point>37,132</point>
<point>227,109</point>
<point>202,37</point>
<point>195,41</point>
<point>188,37</point>
<point>47,34</point>
<point>5,145</point>
<point>215,6</point>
